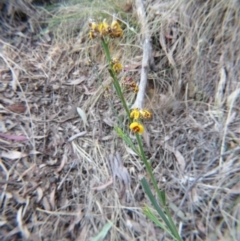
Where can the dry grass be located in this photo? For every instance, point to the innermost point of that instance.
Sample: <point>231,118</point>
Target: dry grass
<point>58,186</point>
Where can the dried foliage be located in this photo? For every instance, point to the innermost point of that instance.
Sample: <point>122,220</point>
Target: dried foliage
<point>63,177</point>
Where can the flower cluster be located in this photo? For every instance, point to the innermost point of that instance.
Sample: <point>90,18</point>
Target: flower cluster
<point>137,114</point>
<point>103,29</point>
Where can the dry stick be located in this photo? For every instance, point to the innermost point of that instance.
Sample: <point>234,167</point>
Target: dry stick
<point>147,53</point>
<point>230,117</point>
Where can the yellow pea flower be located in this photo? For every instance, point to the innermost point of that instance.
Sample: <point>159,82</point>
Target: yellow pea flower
<point>94,26</point>
<point>135,114</point>
<point>94,30</point>
<point>145,114</point>
<point>135,89</point>
<point>116,34</point>
<point>92,34</point>
<point>103,28</point>
<point>115,25</point>
<point>115,30</point>
<point>117,67</point>
<point>136,127</point>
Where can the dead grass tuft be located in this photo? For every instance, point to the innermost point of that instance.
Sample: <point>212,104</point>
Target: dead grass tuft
<point>64,176</point>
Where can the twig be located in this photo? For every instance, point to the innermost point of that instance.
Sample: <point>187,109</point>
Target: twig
<point>230,117</point>
<point>147,53</point>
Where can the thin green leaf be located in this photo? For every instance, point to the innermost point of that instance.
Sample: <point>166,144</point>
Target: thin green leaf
<point>103,232</point>
<point>163,197</point>
<point>166,218</point>
<point>148,212</point>
<point>126,138</point>
<point>154,201</point>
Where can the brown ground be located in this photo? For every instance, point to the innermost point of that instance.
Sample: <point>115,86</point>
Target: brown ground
<point>57,167</point>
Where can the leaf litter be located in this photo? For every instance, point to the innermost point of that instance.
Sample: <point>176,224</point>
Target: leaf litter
<point>55,165</point>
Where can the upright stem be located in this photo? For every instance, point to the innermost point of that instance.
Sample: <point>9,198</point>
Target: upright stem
<point>115,80</point>
<point>149,170</point>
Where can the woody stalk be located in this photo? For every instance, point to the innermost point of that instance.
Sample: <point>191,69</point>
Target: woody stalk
<point>147,54</point>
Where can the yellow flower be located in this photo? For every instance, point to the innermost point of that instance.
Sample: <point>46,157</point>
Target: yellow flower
<point>136,127</point>
<point>135,89</point>
<point>117,67</point>
<point>135,114</point>
<point>94,30</point>
<point>115,25</point>
<point>115,30</point>
<point>103,28</point>
<point>145,114</point>
<point>92,34</point>
<point>94,26</point>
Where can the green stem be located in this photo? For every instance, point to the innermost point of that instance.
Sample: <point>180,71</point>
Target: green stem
<point>115,80</point>
<point>149,170</point>
<point>159,193</point>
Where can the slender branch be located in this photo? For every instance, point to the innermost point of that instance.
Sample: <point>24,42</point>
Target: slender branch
<point>147,54</point>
